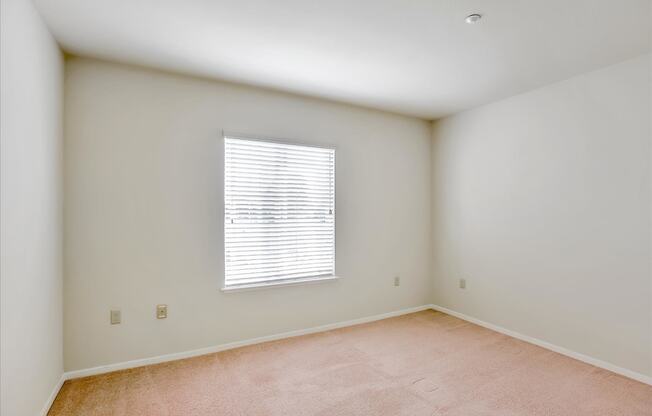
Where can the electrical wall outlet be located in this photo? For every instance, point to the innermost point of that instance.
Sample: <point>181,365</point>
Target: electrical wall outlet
<point>161,311</point>
<point>462,283</point>
<point>116,317</point>
<point>397,280</point>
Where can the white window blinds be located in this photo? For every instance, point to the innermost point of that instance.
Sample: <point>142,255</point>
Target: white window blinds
<point>279,212</point>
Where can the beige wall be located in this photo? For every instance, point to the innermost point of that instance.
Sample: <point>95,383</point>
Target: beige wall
<point>144,212</point>
<point>30,206</point>
<point>542,202</point>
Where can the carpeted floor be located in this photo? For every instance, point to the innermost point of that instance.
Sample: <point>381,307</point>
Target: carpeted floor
<point>422,364</point>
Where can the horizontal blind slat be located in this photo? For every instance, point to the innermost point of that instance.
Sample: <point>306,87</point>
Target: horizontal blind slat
<point>254,254</point>
<point>260,247</point>
<point>278,279</point>
<point>277,233</point>
<point>282,274</point>
<point>286,163</point>
<point>270,147</point>
<point>278,267</point>
<point>259,178</point>
<point>290,222</point>
<point>276,173</point>
<point>245,228</point>
<point>279,257</point>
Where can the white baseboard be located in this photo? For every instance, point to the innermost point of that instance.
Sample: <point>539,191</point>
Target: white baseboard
<point>53,395</point>
<point>222,347</point>
<point>561,350</point>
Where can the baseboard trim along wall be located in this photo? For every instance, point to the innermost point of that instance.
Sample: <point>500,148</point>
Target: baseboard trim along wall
<point>222,347</point>
<point>53,395</point>
<point>560,350</point>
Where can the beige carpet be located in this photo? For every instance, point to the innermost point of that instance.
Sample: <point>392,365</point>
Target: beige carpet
<point>426,363</point>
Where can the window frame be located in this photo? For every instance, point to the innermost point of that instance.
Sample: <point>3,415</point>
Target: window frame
<point>276,282</point>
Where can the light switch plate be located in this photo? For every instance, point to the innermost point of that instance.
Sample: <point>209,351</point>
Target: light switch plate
<point>116,317</point>
<point>161,311</point>
<point>462,283</point>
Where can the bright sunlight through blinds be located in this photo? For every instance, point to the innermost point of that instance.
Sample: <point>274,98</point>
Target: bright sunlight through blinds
<point>279,212</point>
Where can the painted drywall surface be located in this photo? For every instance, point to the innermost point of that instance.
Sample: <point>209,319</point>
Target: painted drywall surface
<point>30,207</point>
<point>144,214</point>
<point>542,203</point>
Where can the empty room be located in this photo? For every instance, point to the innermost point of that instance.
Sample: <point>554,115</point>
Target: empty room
<point>326,208</point>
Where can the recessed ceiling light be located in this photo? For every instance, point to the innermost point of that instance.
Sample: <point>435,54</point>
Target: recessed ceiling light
<point>473,18</point>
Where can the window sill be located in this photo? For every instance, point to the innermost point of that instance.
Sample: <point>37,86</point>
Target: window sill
<point>295,282</point>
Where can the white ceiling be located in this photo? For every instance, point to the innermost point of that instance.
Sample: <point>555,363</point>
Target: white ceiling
<point>415,57</point>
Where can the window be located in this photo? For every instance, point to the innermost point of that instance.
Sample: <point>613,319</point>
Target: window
<point>279,213</point>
